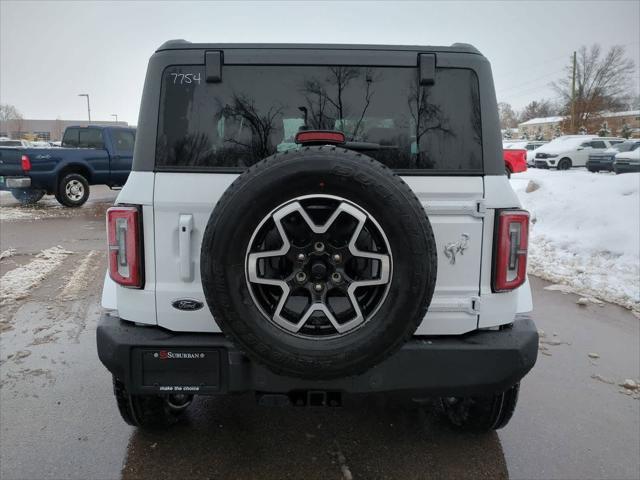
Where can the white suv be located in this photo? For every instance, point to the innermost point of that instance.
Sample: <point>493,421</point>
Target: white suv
<point>305,222</point>
<point>570,151</point>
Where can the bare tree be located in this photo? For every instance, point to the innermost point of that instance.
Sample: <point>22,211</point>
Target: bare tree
<point>325,99</point>
<point>427,117</point>
<point>538,108</point>
<point>57,131</point>
<point>317,99</point>
<point>11,119</point>
<point>341,77</point>
<point>508,118</point>
<point>243,109</point>
<point>9,112</point>
<point>368,95</point>
<point>602,82</point>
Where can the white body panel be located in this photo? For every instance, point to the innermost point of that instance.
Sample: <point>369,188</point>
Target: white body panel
<point>574,148</point>
<point>179,194</point>
<point>498,308</point>
<point>109,299</point>
<point>134,304</point>
<point>177,206</point>
<point>632,155</point>
<point>453,204</point>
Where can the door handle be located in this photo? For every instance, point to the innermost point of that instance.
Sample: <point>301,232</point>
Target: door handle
<point>185,265</point>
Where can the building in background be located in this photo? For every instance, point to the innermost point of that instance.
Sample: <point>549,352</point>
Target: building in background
<point>47,130</point>
<point>616,121</point>
<point>542,128</point>
<point>547,128</point>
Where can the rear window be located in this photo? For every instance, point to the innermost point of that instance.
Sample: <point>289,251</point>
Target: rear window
<point>90,138</point>
<point>70,138</point>
<point>123,140</point>
<point>257,110</point>
<point>83,138</point>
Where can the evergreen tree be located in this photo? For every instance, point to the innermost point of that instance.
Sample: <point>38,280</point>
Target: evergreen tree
<point>525,133</point>
<point>539,135</point>
<point>557,131</point>
<point>507,134</point>
<point>625,131</point>
<point>604,130</point>
<point>582,130</point>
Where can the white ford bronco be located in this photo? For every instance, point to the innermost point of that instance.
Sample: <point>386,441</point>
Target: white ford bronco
<point>309,222</point>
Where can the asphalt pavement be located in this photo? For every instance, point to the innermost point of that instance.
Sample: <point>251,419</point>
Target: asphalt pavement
<point>58,417</point>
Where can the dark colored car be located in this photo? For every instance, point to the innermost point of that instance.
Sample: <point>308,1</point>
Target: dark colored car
<point>91,155</point>
<point>629,161</point>
<point>603,161</point>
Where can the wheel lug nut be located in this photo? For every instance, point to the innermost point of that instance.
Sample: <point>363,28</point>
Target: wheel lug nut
<point>301,257</point>
<point>301,277</point>
<point>319,247</point>
<point>336,277</point>
<point>337,258</point>
<point>318,287</point>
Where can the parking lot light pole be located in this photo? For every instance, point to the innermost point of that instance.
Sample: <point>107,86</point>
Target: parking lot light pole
<point>116,116</point>
<point>573,96</point>
<point>88,107</point>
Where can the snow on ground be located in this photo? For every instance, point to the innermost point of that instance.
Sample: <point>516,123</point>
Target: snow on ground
<point>17,283</point>
<point>36,212</point>
<point>585,231</point>
<point>46,208</point>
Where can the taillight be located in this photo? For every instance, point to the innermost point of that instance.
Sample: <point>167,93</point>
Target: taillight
<point>510,260</point>
<point>25,163</point>
<point>320,136</point>
<point>125,246</point>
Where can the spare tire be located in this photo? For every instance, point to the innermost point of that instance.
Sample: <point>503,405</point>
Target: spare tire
<point>318,263</point>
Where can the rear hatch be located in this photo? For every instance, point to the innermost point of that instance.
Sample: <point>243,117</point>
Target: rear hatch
<point>429,132</point>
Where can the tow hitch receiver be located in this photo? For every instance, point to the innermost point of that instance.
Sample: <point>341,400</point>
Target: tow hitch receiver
<point>300,398</point>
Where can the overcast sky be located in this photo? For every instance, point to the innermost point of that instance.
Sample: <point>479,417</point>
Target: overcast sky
<point>51,51</point>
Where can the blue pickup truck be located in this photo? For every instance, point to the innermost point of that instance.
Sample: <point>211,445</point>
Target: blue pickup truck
<point>89,155</point>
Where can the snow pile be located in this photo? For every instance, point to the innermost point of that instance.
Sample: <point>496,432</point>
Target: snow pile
<point>37,212</point>
<point>8,214</point>
<point>79,278</point>
<point>10,252</point>
<point>10,210</point>
<point>585,231</point>
<point>17,283</point>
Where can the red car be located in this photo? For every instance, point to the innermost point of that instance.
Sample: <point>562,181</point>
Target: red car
<point>515,160</point>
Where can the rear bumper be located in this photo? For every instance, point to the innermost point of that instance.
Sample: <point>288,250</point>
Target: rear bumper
<point>12,183</point>
<point>518,167</point>
<point>542,164</point>
<point>155,360</point>
<point>626,167</point>
<point>598,164</point>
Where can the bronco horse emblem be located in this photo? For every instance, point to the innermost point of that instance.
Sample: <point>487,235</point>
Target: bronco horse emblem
<point>453,248</point>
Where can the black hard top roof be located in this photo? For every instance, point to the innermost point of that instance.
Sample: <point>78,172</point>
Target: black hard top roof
<point>180,44</point>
